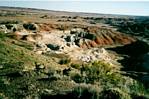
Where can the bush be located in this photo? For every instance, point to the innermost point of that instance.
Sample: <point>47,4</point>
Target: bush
<point>78,78</point>
<point>90,36</point>
<point>29,26</point>
<point>87,35</point>
<point>86,92</point>
<point>76,66</point>
<point>9,26</point>
<point>2,36</point>
<point>44,16</point>
<point>53,47</point>
<point>93,72</point>
<point>64,61</point>
<point>114,93</point>
<point>2,96</point>
<point>2,85</point>
<point>9,22</point>
<point>105,75</point>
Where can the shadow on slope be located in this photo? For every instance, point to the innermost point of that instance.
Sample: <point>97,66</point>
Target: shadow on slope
<point>133,59</point>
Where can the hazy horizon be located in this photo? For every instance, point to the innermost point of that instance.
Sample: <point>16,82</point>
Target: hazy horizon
<point>105,7</point>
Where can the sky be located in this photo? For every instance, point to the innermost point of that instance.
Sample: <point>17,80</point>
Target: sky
<point>140,8</point>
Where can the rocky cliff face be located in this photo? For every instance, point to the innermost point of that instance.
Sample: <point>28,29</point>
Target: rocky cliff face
<point>109,37</point>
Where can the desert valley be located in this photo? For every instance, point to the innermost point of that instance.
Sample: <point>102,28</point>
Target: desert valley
<point>47,54</point>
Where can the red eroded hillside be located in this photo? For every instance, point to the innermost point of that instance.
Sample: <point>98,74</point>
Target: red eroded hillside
<point>106,36</point>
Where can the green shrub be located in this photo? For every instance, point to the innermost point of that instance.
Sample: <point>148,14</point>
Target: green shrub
<point>86,92</point>
<point>114,93</point>
<point>9,26</point>
<point>2,85</point>
<point>29,26</point>
<point>44,16</point>
<point>78,78</point>
<point>105,75</point>
<point>2,36</point>
<point>90,36</point>
<point>2,96</point>
<point>76,66</point>
<point>87,35</point>
<point>94,72</point>
<point>64,61</point>
<point>9,22</point>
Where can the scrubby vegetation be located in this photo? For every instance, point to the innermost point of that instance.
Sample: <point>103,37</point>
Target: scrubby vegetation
<point>29,26</point>
<point>107,76</point>
<point>2,36</point>
<point>138,28</point>
<point>34,71</point>
<point>64,61</point>
<point>9,22</point>
<point>9,26</point>
<point>26,75</point>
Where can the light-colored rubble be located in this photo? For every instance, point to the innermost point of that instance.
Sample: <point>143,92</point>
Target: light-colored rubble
<point>59,41</point>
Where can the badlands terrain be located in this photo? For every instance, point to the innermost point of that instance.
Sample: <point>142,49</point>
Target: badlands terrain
<point>74,55</point>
